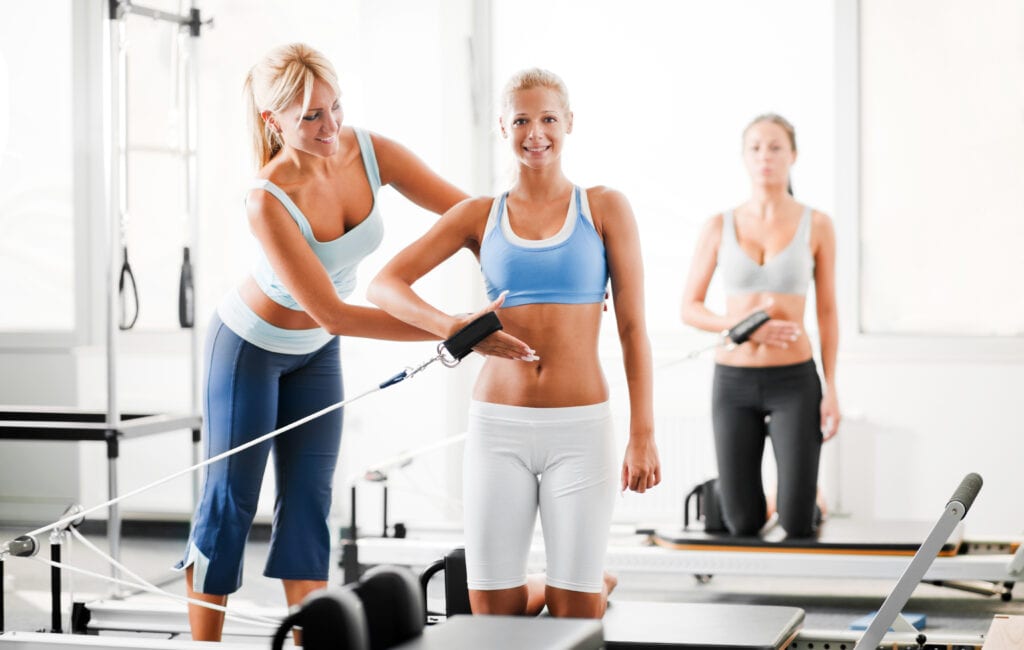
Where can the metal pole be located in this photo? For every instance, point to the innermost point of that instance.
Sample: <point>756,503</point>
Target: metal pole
<point>116,207</point>
<point>350,545</point>
<point>189,110</point>
<point>955,510</point>
<point>384,533</point>
<point>3,563</point>
<point>55,587</point>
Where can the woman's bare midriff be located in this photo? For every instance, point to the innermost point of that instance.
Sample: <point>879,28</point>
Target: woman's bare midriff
<point>275,314</point>
<point>786,306</point>
<point>565,337</point>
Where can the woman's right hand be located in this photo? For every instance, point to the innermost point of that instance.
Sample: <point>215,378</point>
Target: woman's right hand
<point>775,332</point>
<point>499,344</point>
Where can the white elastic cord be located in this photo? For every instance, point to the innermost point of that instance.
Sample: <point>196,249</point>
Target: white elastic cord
<point>208,461</point>
<point>144,585</point>
<point>254,619</point>
<point>404,458</point>
<point>414,487</point>
<point>148,586</point>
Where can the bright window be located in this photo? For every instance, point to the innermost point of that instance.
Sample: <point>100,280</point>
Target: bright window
<point>36,147</point>
<point>942,158</point>
<point>661,92</point>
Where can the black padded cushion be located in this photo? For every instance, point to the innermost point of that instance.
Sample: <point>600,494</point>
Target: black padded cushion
<point>393,605</point>
<point>332,619</point>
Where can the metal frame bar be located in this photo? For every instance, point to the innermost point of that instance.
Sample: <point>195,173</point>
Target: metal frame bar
<point>657,560</point>
<point>117,204</point>
<point>889,613</point>
<point>43,641</point>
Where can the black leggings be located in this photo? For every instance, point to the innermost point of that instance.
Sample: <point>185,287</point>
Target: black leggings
<point>742,399</point>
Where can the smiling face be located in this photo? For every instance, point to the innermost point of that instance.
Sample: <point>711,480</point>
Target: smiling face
<point>536,122</point>
<point>312,129</point>
<point>768,153</point>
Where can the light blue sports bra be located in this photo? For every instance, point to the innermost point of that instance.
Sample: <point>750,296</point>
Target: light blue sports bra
<point>789,271</point>
<point>568,268</point>
<point>339,256</point>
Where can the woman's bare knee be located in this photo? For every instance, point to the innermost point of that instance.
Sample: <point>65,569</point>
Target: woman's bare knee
<point>564,603</point>
<point>506,602</point>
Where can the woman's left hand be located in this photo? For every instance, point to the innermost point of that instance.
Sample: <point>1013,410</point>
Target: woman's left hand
<point>641,469</point>
<point>500,343</point>
<point>830,416</point>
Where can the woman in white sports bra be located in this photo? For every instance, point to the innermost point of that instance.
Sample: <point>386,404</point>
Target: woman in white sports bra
<point>540,433</point>
<point>767,250</point>
<point>272,354</point>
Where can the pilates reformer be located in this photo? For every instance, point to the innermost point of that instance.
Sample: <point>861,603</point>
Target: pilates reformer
<point>349,612</point>
<point>985,567</point>
<point>680,625</point>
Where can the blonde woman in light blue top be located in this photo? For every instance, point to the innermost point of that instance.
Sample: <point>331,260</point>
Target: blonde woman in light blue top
<point>272,349</point>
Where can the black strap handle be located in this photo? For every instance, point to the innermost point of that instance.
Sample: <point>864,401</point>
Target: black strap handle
<point>186,293</point>
<point>128,293</point>
<point>461,343</point>
<point>741,331</point>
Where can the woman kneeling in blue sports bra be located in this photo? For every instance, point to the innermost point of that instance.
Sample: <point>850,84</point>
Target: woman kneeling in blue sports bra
<point>540,428</point>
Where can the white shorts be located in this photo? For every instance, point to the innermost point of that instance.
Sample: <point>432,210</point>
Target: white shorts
<point>572,452</point>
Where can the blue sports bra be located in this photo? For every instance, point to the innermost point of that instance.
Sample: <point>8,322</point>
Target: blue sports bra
<point>789,271</point>
<point>568,268</point>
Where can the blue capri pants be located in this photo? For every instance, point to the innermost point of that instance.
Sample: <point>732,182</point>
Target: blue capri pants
<point>249,392</point>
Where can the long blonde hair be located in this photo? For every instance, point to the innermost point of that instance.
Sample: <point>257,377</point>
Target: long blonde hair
<point>285,74</point>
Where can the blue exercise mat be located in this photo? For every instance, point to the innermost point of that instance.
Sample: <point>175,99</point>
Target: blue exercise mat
<point>862,623</point>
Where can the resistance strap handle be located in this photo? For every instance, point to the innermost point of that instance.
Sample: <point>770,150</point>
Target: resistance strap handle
<point>741,331</point>
<point>128,292</point>
<point>462,342</point>
<point>452,351</point>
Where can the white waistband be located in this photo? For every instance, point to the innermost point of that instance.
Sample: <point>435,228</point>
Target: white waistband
<point>490,410</point>
<point>244,322</point>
